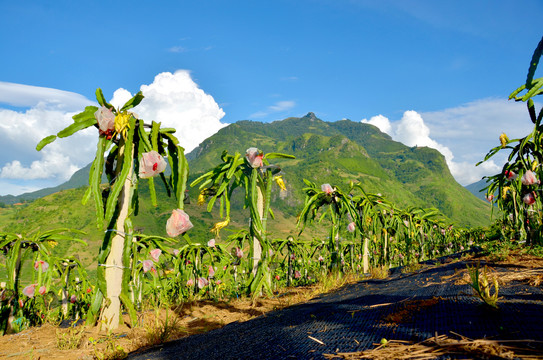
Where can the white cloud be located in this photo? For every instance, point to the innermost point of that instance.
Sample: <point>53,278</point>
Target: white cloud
<point>20,132</point>
<point>172,99</point>
<point>412,131</point>
<point>30,96</point>
<point>177,49</point>
<point>279,106</point>
<point>176,101</point>
<point>380,122</point>
<point>463,134</point>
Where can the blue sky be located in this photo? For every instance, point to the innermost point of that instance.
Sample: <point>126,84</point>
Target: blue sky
<point>432,73</point>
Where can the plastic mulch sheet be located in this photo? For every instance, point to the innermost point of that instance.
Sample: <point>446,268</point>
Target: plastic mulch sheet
<point>411,307</point>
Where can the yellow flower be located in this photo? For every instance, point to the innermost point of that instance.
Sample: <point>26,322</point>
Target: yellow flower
<point>201,198</point>
<point>279,180</point>
<point>504,139</point>
<point>504,191</point>
<point>52,243</point>
<point>534,165</point>
<point>121,123</point>
<point>220,225</point>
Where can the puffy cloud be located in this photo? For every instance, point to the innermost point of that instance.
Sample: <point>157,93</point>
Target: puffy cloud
<point>20,132</point>
<point>380,122</point>
<point>172,99</point>
<point>462,134</point>
<point>412,131</point>
<point>477,126</point>
<point>276,108</point>
<point>176,101</point>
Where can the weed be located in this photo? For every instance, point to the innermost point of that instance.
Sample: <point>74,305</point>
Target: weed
<point>112,351</point>
<point>69,339</point>
<point>163,330</point>
<point>380,272</point>
<point>480,282</point>
<point>412,267</point>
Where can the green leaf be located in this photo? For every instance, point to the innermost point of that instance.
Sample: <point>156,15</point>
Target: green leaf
<point>534,62</point>
<point>95,180</point>
<point>86,114</point>
<point>155,127</point>
<point>167,130</point>
<point>278,156</point>
<point>152,191</point>
<point>136,99</point>
<point>536,85</point>
<point>45,141</point>
<point>75,127</point>
<point>144,137</point>
<point>517,91</point>
<point>102,100</point>
<point>233,166</point>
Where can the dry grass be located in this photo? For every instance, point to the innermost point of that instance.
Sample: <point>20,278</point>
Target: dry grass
<point>442,345</point>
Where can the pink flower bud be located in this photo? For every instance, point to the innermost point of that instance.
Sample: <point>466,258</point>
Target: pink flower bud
<point>211,243</point>
<point>42,290</point>
<point>105,119</point>
<point>155,254</point>
<point>351,227</point>
<point>297,274</point>
<point>190,282</point>
<point>41,264</point>
<point>254,157</point>
<point>510,175</point>
<point>178,223</point>
<point>151,164</point>
<point>528,178</point>
<point>239,253</point>
<point>321,259</point>
<point>327,188</point>
<point>176,252</point>
<point>30,290</point>
<point>529,199</point>
<point>211,271</point>
<point>202,282</point>
<point>73,299</point>
<point>147,265</point>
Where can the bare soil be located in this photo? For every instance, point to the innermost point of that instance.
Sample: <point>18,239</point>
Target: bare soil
<point>53,342</point>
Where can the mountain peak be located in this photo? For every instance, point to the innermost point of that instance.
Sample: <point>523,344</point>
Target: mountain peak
<point>311,116</point>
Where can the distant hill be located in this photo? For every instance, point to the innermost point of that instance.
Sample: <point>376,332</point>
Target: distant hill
<point>78,179</point>
<point>477,189</point>
<point>338,152</point>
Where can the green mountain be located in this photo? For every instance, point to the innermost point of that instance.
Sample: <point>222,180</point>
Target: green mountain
<point>477,189</point>
<point>338,152</point>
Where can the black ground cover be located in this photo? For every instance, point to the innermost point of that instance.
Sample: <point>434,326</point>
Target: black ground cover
<point>412,306</point>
